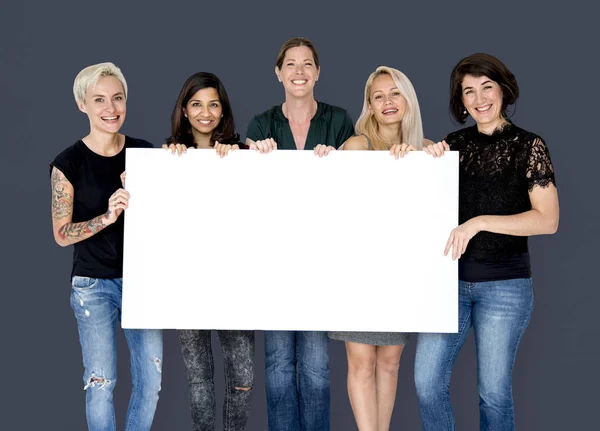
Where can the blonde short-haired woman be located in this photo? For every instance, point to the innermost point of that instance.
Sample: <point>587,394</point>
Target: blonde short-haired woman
<point>87,201</point>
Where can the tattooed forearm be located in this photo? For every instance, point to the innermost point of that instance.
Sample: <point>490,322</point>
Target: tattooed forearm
<point>62,210</point>
<point>75,232</point>
<point>62,201</point>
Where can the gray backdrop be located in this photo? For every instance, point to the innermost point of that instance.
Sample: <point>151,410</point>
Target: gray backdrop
<point>159,44</point>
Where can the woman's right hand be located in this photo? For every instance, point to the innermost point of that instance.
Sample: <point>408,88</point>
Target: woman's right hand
<point>117,203</point>
<point>437,150</point>
<point>265,146</point>
<point>175,148</point>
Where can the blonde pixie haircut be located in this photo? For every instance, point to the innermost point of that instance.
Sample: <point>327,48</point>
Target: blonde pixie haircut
<point>411,130</point>
<point>89,77</point>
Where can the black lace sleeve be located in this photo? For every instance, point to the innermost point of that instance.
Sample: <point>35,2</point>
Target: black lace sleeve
<point>452,141</point>
<point>539,170</point>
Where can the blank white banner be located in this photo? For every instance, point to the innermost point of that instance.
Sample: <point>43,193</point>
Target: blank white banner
<point>289,241</point>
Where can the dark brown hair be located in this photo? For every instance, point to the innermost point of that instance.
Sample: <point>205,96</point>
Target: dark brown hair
<point>181,129</point>
<point>481,64</point>
<point>293,43</point>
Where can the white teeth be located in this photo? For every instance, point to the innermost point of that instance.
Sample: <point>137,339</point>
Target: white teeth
<point>206,121</point>
<point>387,111</point>
<point>483,109</point>
<point>110,118</point>
<point>299,81</point>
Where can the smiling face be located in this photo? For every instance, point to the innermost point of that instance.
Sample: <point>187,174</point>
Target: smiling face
<point>298,71</point>
<point>482,98</point>
<point>105,105</point>
<point>387,104</point>
<point>204,111</point>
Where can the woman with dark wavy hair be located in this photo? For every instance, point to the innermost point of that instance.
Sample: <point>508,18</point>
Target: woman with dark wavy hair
<point>507,193</point>
<point>202,118</point>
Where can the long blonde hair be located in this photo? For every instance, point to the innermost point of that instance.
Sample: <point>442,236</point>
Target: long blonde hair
<point>411,129</point>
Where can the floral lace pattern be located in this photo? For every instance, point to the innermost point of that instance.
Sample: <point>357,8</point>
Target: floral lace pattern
<point>496,173</point>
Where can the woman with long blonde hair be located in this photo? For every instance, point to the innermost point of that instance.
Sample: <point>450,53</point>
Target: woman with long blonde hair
<point>390,120</point>
<point>390,115</point>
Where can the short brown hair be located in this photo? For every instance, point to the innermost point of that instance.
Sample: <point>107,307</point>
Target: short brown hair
<point>293,43</point>
<point>481,64</point>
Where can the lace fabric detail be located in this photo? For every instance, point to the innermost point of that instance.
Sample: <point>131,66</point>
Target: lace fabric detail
<point>496,173</point>
<point>539,171</point>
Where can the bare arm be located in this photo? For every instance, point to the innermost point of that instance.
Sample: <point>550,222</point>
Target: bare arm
<point>356,143</point>
<point>543,196</point>
<point>541,219</point>
<point>66,232</point>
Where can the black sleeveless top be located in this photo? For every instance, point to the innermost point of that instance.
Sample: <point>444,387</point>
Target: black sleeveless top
<point>497,172</point>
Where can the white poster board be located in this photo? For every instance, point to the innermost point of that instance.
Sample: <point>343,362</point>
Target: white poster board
<point>289,241</point>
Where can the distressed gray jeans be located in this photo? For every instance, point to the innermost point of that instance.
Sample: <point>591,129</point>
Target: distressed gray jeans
<point>238,356</point>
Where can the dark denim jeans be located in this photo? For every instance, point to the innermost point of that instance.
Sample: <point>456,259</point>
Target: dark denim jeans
<point>97,306</point>
<point>499,312</point>
<point>297,380</point>
<point>238,355</point>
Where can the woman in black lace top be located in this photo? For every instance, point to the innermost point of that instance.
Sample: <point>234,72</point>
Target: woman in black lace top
<point>507,193</point>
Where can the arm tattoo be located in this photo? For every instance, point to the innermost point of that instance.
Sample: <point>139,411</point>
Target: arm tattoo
<point>62,202</point>
<point>75,232</point>
<point>62,206</point>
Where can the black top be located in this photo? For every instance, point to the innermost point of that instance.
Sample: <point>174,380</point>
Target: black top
<point>331,125</point>
<point>497,172</point>
<point>94,179</point>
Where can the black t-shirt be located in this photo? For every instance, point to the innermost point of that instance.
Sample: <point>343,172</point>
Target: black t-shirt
<point>94,179</point>
<point>496,174</point>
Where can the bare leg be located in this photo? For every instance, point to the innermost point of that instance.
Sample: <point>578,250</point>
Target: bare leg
<point>386,377</point>
<point>361,384</point>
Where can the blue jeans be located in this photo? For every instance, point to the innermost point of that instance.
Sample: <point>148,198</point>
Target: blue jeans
<point>499,312</point>
<point>297,380</point>
<point>97,307</point>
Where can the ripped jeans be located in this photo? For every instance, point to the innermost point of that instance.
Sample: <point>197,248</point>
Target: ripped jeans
<point>97,307</point>
<point>238,355</point>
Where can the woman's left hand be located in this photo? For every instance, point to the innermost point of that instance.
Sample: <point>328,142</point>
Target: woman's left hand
<point>223,149</point>
<point>178,149</point>
<point>400,150</point>
<point>322,150</point>
<point>436,150</point>
<point>460,237</point>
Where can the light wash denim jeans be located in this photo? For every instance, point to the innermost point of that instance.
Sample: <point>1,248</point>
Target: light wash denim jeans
<point>97,307</point>
<point>297,380</point>
<point>499,312</point>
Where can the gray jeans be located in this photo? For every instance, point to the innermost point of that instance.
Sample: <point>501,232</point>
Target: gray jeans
<point>238,355</point>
